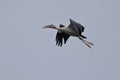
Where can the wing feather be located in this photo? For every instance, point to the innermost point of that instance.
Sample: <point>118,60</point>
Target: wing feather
<point>60,36</point>
<point>77,27</point>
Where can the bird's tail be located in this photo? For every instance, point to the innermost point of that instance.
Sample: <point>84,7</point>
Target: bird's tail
<point>83,37</point>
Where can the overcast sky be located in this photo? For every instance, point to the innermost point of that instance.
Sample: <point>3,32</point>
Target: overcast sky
<point>27,52</point>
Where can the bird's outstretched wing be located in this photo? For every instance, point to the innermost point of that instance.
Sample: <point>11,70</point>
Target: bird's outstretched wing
<point>77,27</point>
<point>60,36</point>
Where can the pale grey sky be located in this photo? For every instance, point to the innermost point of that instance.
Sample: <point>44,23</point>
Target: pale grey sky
<point>28,52</point>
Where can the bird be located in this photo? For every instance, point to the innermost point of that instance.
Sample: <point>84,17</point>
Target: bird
<point>74,29</point>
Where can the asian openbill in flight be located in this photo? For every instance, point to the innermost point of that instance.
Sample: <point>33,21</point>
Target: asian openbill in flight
<point>74,29</point>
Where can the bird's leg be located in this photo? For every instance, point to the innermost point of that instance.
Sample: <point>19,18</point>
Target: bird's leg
<point>85,42</point>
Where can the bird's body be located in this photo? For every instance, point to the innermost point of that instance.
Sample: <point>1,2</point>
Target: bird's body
<point>74,29</point>
<point>68,31</point>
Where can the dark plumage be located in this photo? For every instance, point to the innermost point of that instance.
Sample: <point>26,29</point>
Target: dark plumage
<point>60,36</point>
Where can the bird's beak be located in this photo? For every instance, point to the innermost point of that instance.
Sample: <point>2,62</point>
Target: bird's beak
<point>44,27</point>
